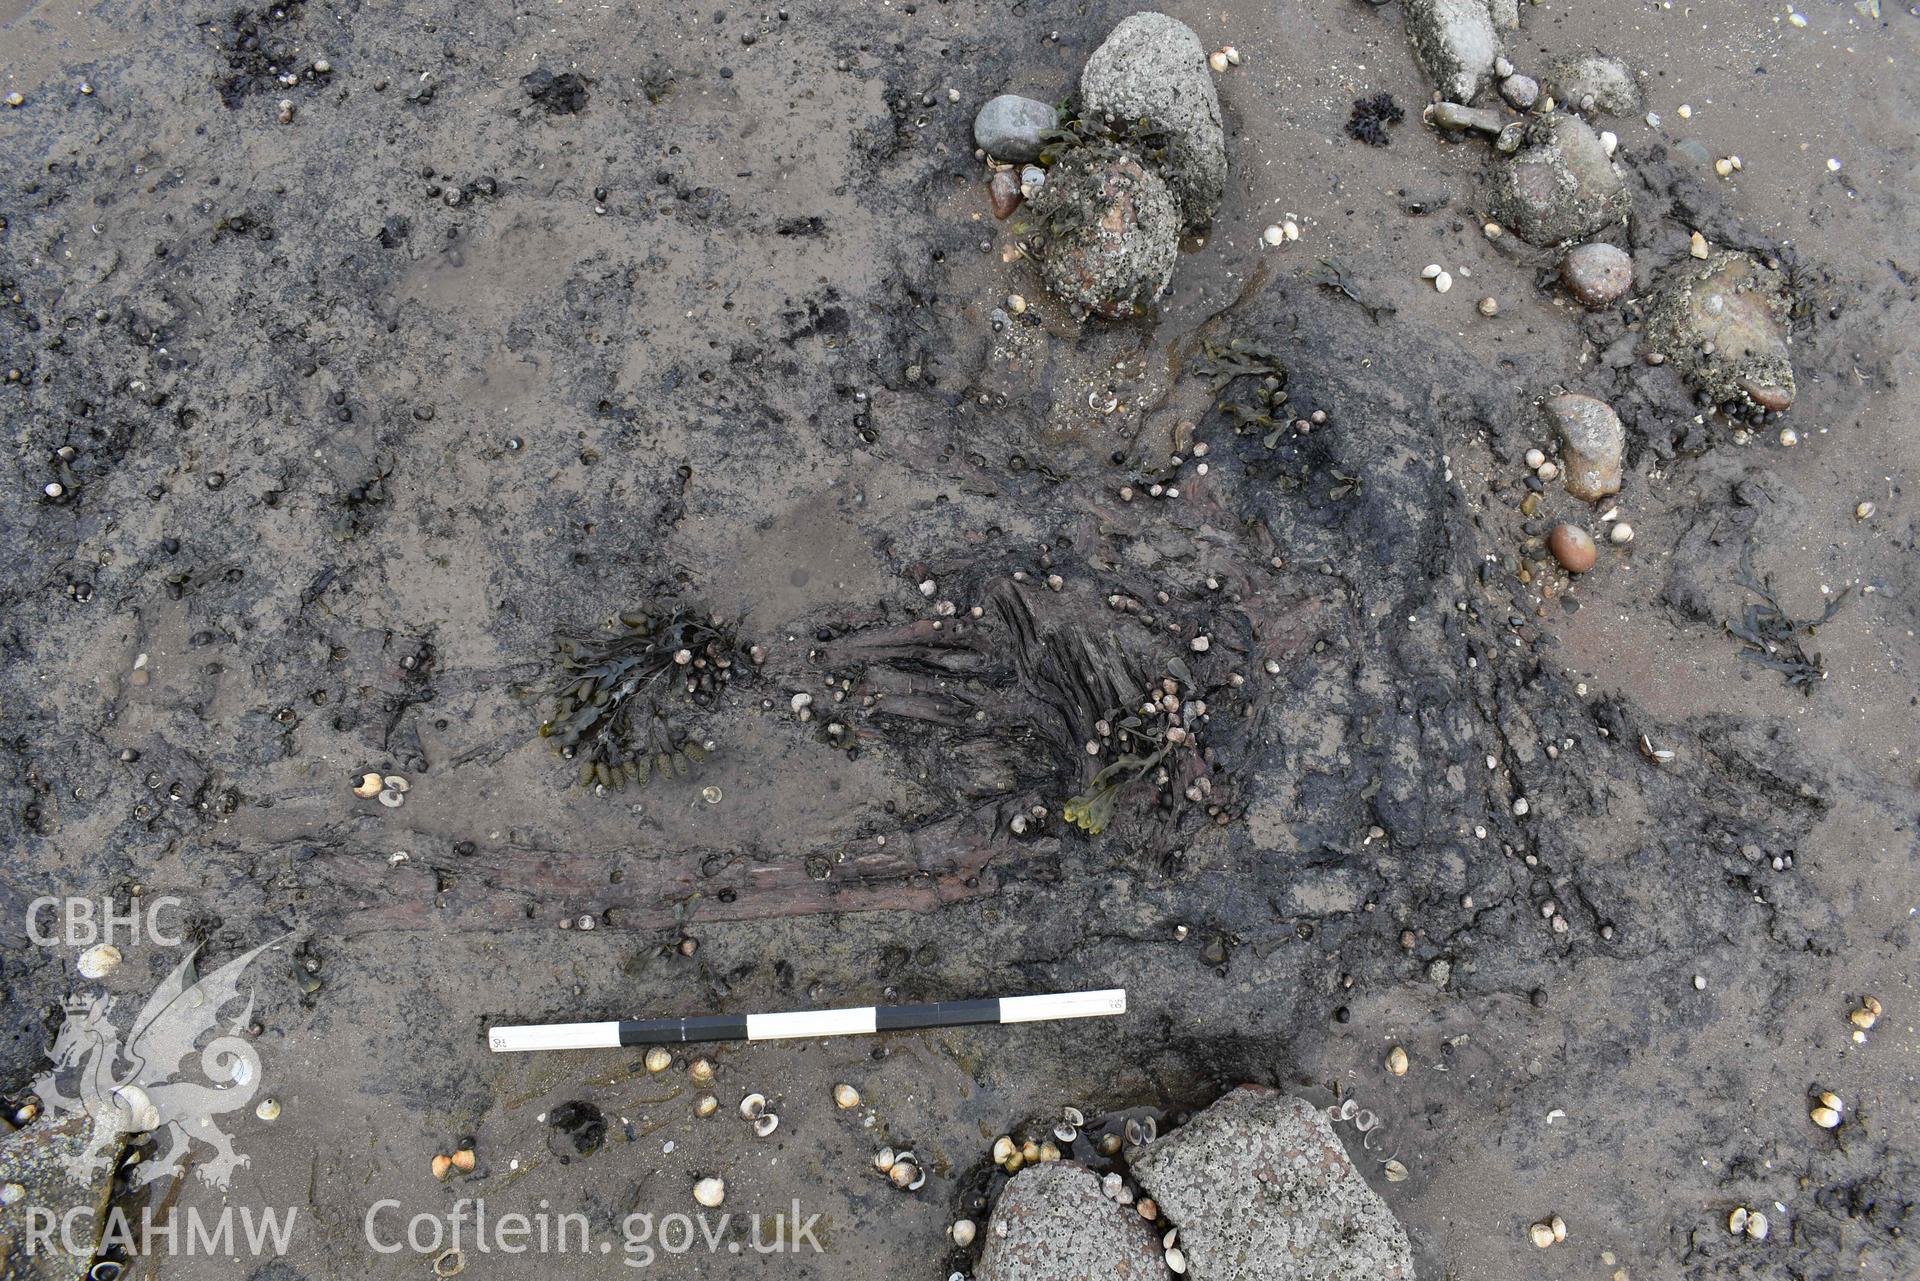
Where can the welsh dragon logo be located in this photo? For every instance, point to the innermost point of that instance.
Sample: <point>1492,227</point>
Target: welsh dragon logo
<point>130,1088</point>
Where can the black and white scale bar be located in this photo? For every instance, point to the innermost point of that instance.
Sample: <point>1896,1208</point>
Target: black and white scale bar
<point>805,1023</point>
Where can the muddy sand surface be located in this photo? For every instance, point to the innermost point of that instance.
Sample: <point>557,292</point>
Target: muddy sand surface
<point>529,316</point>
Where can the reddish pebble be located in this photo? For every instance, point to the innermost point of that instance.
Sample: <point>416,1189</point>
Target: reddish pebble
<point>1573,547</point>
<point>1004,190</point>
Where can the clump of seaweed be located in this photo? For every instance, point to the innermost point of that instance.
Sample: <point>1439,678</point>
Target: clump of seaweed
<point>1370,119</point>
<point>1262,406</point>
<point>1141,136</point>
<point>1772,636</point>
<point>1158,746</point>
<point>609,711</point>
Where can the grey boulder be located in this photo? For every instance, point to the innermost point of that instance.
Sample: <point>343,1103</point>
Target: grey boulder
<point>1263,1191</point>
<point>1455,44</point>
<point>1013,128</point>
<point>1591,443</point>
<point>1053,1223</point>
<point>1154,66</point>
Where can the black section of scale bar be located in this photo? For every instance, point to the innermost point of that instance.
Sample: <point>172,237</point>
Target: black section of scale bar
<point>899,1018</point>
<point>700,1027</point>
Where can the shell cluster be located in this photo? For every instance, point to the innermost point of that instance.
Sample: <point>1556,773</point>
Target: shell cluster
<point>902,1169</point>
<point>1749,1222</point>
<point>461,1159</point>
<point>1548,1232</point>
<point>389,789</point>
<point>753,1109</point>
<point>1827,1111</point>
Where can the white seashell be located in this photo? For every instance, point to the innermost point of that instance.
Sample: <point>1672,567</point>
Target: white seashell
<point>1065,1133</point>
<point>141,1112</point>
<point>1176,1261</point>
<point>1431,271</point>
<point>98,961</point>
<point>1443,282</point>
<point>658,1060</point>
<point>390,798</point>
<point>397,783</point>
<point>1217,60</point>
<point>1274,234</point>
<point>368,787</point>
<point>710,1191</point>
<point>1757,1225</point>
<point>961,1232</point>
<point>269,1110</point>
<point>845,1097</point>
<point>883,1160</point>
<point>1003,1150</point>
<point>766,1123</point>
<point>1073,1116</point>
<point>1233,55</point>
<point>1621,533</point>
<point>905,1174</point>
<point>752,1106</point>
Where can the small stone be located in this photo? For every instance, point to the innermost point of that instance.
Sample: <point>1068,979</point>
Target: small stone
<point>1573,548</point>
<point>1592,441</point>
<point>1011,127</point>
<point>1003,192</point>
<point>1597,273</point>
<point>1521,92</point>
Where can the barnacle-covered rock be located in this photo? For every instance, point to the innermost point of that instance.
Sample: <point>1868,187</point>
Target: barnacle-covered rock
<point>1723,323</point>
<point>1560,183</point>
<point>1053,1223</point>
<point>1594,82</point>
<point>1111,232</point>
<point>1262,1189</point>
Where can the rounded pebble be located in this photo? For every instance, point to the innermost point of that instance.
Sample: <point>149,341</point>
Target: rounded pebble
<point>1573,547</point>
